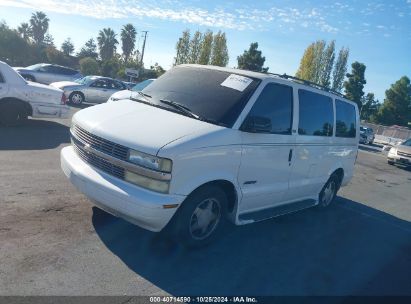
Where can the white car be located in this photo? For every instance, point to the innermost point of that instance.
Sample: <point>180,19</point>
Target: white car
<point>202,145</point>
<point>20,98</point>
<point>126,94</point>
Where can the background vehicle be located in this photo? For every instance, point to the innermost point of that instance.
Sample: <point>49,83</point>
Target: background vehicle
<point>48,73</point>
<point>202,145</point>
<point>125,94</point>
<point>366,135</point>
<point>400,154</point>
<point>20,99</point>
<point>94,89</point>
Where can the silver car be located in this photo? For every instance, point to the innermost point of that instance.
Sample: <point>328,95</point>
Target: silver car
<point>94,89</point>
<point>400,154</point>
<point>366,135</point>
<point>48,73</point>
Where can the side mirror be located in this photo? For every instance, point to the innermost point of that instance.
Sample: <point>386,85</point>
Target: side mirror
<point>257,124</point>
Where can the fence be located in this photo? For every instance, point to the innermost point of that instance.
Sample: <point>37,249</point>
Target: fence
<point>389,135</point>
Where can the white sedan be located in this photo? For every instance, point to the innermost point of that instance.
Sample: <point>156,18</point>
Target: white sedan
<point>126,94</point>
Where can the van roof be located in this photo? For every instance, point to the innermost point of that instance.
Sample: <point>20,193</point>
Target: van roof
<point>262,76</point>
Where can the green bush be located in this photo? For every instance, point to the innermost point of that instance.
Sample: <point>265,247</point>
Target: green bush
<point>89,66</point>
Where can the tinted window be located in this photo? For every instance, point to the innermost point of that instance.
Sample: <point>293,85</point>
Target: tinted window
<point>345,119</point>
<point>101,83</point>
<point>1,78</point>
<point>201,91</point>
<point>142,85</point>
<point>116,85</point>
<point>67,71</point>
<point>316,114</point>
<point>275,104</point>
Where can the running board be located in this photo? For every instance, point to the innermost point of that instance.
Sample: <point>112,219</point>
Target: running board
<point>277,210</point>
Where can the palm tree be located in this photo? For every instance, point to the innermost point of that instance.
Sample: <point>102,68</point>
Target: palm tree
<point>39,25</point>
<point>107,43</point>
<point>24,31</point>
<point>128,40</point>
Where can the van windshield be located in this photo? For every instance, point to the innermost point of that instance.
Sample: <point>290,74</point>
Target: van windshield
<point>217,96</point>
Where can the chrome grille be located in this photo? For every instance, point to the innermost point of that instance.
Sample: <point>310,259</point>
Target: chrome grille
<point>98,162</point>
<point>101,144</point>
<point>403,154</point>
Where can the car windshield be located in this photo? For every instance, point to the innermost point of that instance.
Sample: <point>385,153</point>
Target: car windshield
<point>216,96</point>
<point>34,66</point>
<point>83,80</point>
<point>407,143</point>
<point>140,86</point>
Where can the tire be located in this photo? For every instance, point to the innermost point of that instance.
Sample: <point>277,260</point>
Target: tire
<point>201,218</point>
<point>11,114</point>
<point>329,191</point>
<point>76,98</point>
<point>391,163</point>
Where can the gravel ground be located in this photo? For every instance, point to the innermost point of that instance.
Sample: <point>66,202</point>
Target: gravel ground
<point>54,242</point>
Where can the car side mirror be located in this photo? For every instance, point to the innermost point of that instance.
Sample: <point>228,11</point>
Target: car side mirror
<point>257,124</point>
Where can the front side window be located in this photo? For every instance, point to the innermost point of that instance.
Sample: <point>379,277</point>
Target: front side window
<point>100,83</point>
<point>316,114</point>
<point>345,119</point>
<point>274,106</point>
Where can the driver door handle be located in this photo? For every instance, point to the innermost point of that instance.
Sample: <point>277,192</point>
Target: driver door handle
<point>290,156</point>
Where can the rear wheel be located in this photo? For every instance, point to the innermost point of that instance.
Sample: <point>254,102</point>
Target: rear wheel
<point>11,114</point>
<point>201,217</point>
<point>76,98</point>
<point>329,191</point>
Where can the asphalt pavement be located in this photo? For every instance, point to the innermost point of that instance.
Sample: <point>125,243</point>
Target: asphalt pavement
<point>54,242</point>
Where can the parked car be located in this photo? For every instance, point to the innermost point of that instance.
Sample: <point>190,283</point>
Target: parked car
<point>94,89</point>
<point>125,94</point>
<point>366,135</point>
<point>20,99</point>
<point>400,154</point>
<point>48,73</point>
<point>202,145</point>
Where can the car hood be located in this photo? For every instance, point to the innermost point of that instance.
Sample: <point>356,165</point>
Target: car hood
<point>65,84</point>
<point>124,94</point>
<point>405,149</point>
<point>139,126</point>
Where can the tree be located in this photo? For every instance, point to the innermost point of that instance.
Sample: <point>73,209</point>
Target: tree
<point>205,48</point>
<point>89,66</point>
<point>354,85</point>
<point>12,45</point>
<point>183,48</point>
<point>158,69</point>
<point>327,63</point>
<point>396,108</point>
<point>111,67</point>
<point>48,41</point>
<point>88,50</point>
<point>306,68</point>
<point>251,59</point>
<point>128,40</point>
<point>39,24</point>
<point>24,31</point>
<point>107,43</point>
<point>195,47</point>
<point>340,69</point>
<point>370,106</point>
<point>219,55</point>
<point>67,47</point>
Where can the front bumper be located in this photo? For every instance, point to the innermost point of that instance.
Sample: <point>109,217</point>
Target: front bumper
<point>399,159</point>
<point>136,205</point>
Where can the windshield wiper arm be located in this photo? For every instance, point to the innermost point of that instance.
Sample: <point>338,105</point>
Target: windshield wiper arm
<point>180,107</point>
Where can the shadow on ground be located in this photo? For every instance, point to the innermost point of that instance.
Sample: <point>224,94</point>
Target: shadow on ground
<point>348,249</point>
<point>371,148</point>
<point>34,135</point>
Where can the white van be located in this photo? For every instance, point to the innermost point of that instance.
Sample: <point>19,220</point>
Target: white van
<point>203,144</point>
<point>20,98</point>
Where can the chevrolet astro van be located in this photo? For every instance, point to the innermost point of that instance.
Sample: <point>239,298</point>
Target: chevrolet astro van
<point>203,145</point>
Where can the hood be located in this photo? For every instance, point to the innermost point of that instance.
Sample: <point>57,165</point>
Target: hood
<point>125,94</point>
<point>139,126</point>
<point>63,84</point>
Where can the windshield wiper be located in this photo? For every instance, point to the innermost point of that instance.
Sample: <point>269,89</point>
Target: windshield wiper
<point>144,98</point>
<point>180,107</point>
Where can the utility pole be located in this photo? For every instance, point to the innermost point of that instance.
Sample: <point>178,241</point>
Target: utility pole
<point>144,45</point>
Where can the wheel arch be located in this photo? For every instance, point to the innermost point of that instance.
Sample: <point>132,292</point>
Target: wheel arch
<point>26,106</point>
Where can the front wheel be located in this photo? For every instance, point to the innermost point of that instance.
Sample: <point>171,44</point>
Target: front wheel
<point>329,191</point>
<point>201,217</point>
<point>76,98</point>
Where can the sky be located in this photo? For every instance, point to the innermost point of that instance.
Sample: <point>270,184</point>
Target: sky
<point>378,33</point>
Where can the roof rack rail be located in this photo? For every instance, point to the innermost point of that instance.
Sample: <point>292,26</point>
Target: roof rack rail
<point>306,82</point>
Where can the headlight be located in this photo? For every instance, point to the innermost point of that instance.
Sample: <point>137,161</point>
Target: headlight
<point>150,161</point>
<point>393,151</point>
<point>146,182</point>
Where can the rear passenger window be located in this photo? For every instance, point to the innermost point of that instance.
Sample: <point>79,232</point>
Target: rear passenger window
<point>345,121</point>
<point>316,114</point>
<point>275,104</point>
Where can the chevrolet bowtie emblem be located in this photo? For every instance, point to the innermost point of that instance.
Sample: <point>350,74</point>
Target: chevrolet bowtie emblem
<point>87,148</point>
